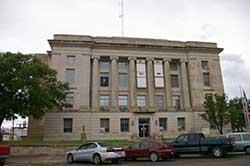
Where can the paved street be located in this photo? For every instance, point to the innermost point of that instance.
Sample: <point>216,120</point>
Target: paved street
<point>235,159</point>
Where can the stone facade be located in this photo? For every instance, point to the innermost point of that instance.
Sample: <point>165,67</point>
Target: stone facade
<point>170,77</point>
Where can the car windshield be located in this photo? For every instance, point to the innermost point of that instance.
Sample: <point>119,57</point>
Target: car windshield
<point>103,145</point>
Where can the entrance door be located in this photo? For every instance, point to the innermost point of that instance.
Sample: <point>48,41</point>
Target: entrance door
<point>144,127</point>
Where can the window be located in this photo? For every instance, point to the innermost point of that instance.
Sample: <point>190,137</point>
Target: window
<point>206,78</point>
<point>176,102</point>
<point>67,125</point>
<point>71,60</point>
<point>181,124</point>
<point>104,124</point>
<point>246,137</point>
<point>70,75</point>
<point>92,146</point>
<point>104,66</point>
<point>104,102</point>
<point>173,66</point>
<point>124,123</point>
<point>123,67</point>
<point>104,79</point>
<point>104,73</point>
<point>123,80</point>
<point>123,103</point>
<point>159,104</point>
<point>141,74</point>
<point>174,81</point>
<point>158,74</point>
<point>236,137</point>
<point>69,100</point>
<point>163,124</point>
<point>141,103</point>
<point>204,65</point>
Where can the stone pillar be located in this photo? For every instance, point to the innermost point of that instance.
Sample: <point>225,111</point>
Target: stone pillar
<point>168,90</point>
<point>132,84</point>
<point>114,76</point>
<point>150,78</point>
<point>95,83</point>
<point>185,85</point>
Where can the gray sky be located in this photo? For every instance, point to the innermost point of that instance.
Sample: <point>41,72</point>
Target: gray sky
<point>25,26</point>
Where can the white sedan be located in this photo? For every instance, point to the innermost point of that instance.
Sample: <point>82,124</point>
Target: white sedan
<point>96,153</point>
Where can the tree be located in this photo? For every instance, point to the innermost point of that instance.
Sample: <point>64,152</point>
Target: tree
<point>216,111</point>
<point>236,114</point>
<point>28,87</point>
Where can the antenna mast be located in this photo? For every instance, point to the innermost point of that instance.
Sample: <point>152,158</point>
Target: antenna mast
<point>122,16</point>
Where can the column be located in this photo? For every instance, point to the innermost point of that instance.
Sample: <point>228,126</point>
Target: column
<point>150,78</point>
<point>185,85</point>
<point>168,90</point>
<point>114,95</point>
<point>95,83</point>
<point>132,84</point>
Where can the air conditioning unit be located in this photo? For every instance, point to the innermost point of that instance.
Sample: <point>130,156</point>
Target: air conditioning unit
<point>102,130</point>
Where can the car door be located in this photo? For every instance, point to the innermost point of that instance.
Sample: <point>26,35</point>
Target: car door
<point>144,149</point>
<point>181,144</point>
<point>238,143</point>
<point>132,151</point>
<point>87,155</point>
<point>78,154</point>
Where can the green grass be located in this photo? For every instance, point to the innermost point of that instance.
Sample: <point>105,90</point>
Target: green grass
<point>64,143</point>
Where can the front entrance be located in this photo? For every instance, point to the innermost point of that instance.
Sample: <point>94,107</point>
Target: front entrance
<point>144,127</point>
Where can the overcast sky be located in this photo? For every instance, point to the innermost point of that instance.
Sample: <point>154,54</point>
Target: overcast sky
<point>26,25</point>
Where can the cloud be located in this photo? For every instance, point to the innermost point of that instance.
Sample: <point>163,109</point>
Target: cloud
<point>235,73</point>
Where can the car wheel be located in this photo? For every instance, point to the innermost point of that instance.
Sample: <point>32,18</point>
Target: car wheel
<point>153,156</point>
<point>247,150</point>
<point>97,159</point>
<point>114,161</point>
<point>70,158</point>
<point>217,152</point>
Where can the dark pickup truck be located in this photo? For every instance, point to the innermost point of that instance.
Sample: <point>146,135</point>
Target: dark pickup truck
<point>195,143</point>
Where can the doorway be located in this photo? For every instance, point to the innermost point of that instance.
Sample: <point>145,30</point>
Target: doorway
<point>144,127</point>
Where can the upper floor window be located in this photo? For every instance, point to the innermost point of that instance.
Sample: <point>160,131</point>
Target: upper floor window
<point>104,66</point>
<point>206,79</point>
<point>104,102</point>
<point>159,104</point>
<point>141,73</point>
<point>174,66</point>
<point>104,79</point>
<point>69,100</point>
<point>174,81</point>
<point>176,102</point>
<point>70,75</point>
<point>158,74</point>
<point>123,80</point>
<point>141,103</point>
<point>71,59</point>
<point>123,103</point>
<point>204,65</point>
<point>122,67</point>
<point>67,125</point>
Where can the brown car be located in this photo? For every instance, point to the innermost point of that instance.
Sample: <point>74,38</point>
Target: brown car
<point>151,150</point>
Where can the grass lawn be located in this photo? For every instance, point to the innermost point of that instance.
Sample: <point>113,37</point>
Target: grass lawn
<point>64,143</point>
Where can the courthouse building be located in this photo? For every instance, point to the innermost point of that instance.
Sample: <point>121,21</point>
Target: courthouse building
<point>127,88</point>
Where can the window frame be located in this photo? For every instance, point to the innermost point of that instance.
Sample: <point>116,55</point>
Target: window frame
<point>102,100</point>
<point>165,120</point>
<point>70,75</point>
<point>67,129</point>
<point>108,124</point>
<point>124,125</point>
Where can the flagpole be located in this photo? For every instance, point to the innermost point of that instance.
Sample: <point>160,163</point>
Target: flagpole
<point>243,106</point>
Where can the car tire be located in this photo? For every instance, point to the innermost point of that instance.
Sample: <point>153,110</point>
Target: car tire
<point>247,150</point>
<point>97,159</point>
<point>217,152</point>
<point>153,156</point>
<point>70,158</point>
<point>114,161</point>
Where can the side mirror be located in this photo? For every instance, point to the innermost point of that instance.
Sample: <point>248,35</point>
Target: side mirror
<point>77,149</point>
<point>129,147</point>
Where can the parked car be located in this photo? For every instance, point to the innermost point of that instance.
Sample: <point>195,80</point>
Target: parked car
<point>195,143</point>
<point>95,152</point>
<point>148,149</point>
<point>4,153</point>
<point>241,141</point>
